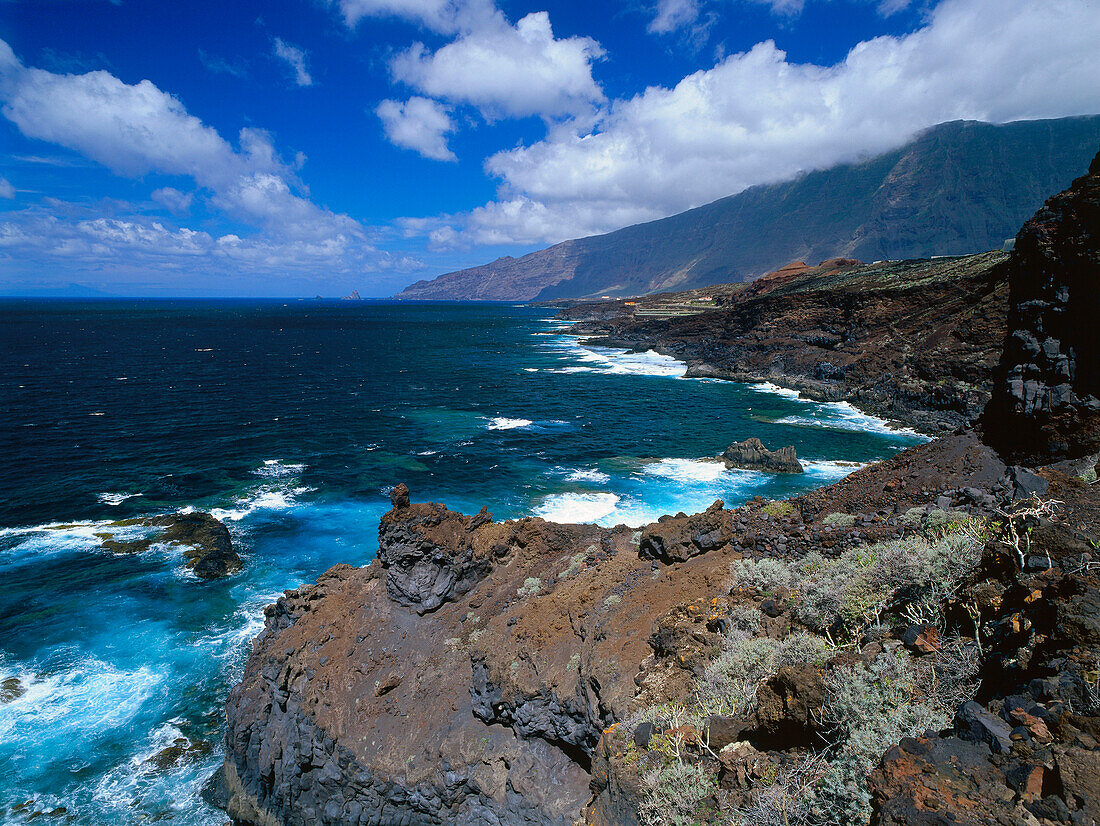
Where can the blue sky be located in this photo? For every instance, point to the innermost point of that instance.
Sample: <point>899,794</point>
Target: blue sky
<point>301,147</point>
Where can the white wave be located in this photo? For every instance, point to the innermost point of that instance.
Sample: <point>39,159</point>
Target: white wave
<point>843,416</point>
<point>117,498</point>
<point>67,709</point>
<point>686,470</point>
<point>573,507</point>
<point>266,498</point>
<point>504,423</point>
<point>775,390</point>
<point>613,360</point>
<point>277,468</point>
<point>594,476</point>
<point>829,471</point>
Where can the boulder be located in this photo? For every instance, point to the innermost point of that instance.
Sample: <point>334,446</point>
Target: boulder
<point>752,455</point>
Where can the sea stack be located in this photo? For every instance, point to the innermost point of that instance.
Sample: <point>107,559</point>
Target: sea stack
<point>752,455</point>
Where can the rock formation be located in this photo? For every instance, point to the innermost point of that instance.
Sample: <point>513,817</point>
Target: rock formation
<point>1047,401</point>
<point>206,543</point>
<point>752,455</point>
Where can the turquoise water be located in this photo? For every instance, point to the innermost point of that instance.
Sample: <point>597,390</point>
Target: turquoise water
<point>291,422</point>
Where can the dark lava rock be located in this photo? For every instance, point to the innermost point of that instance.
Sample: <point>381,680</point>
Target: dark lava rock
<point>677,538</point>
<point>933,781</point>
<point>11,689</point>
<point>1046,393</point>
<point>752,455</point>
<point>974,723</point>
<point>429,553</point>
<point>207,545</point>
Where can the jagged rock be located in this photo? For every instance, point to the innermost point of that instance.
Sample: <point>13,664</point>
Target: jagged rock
<point>11,689</point>
<point>923,638</point>
<point>430,554</point>
<point>505,686</point>
<point>1046,398</point>
<point>974,723</point>
<point>933,781</point>
<point>207,545</point>
<point>752,455</point>
<point>675,539</point>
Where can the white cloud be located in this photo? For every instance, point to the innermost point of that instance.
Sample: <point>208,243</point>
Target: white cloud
<point>443,16</point>
<point>671,15</point>
<point>419,124</point>
<point>172,199</point>
<point>60,238</point>
<point>7,191</point>
<point>136,129</point>
<point>507,70</point>
<point>757,117</point>
<point>295,58</point>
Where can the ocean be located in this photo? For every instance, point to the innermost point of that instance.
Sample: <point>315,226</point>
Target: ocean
<point>291,421</point>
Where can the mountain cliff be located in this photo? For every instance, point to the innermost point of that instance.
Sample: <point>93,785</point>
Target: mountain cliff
<point>957,188</point>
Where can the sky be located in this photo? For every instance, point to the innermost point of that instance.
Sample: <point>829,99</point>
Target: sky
<point>311,147</point>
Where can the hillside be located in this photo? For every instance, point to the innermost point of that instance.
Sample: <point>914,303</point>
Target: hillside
<point>958,188</point>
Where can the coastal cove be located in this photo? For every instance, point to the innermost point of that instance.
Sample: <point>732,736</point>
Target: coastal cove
<point>291,422</point>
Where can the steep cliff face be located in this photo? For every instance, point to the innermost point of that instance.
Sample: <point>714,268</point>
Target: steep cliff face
<point>1046,404</point>
<point>958,188</point>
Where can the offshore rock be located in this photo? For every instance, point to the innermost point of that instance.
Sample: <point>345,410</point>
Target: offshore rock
<point>752,455</point>
<point>207,546</point>
<point>1046,402</point>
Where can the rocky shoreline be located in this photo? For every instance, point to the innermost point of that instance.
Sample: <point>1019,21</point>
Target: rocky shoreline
<point>916,644</point>
<point>912,342</point>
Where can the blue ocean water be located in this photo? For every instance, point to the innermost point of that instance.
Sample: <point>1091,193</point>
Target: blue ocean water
<point>291,421</point>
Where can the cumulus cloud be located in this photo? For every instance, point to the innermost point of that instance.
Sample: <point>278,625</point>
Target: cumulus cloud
<point>7,191</point>
<point>137,129</point>
<point>419,124</point>
<point>295,58</point>
<point>757,117</point>
<point>66,242</point>
<point>507,70</point>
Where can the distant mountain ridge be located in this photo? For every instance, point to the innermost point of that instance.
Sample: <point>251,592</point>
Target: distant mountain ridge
<point>957,188</point>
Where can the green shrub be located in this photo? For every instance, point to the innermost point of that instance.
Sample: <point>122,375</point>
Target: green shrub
<point>530,587</point>
<point>767,576</point>
<point>839,520</point>
<point>869,708</point>
<point>677,795</point>
<point>778,509</point>
<point>730,682</point>
<point>744,618</point>
<point>855,589</point>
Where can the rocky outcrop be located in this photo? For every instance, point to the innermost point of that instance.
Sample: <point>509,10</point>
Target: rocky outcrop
<point>1046,404</point>
<point>910,341</point>
<point>207,545</point>
<point>752,455</point>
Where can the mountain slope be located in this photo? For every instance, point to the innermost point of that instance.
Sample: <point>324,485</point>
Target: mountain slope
<point>957,188</point>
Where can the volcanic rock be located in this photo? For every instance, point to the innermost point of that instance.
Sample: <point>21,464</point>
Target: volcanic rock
<point>207,546</point>
<point>1046,402</point>
<point>752,455</point>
